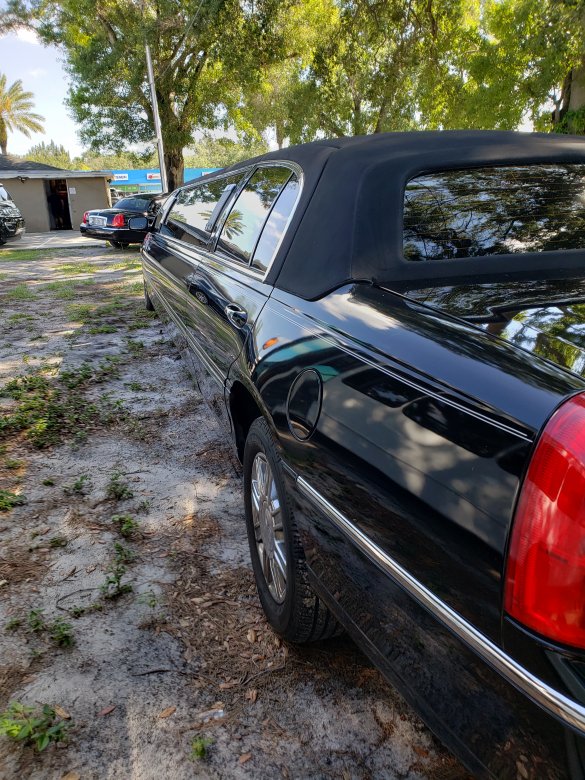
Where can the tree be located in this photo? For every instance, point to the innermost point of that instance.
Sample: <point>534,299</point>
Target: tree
<point>50,154</point>
<point>211,152</point>
<point>199,50</point>
<point>15,112</point>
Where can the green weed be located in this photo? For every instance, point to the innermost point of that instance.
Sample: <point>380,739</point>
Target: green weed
<point>127,525</point>
<point>8,500</point>
<point>13,624</point>
<point>36,621</point>
<point>97,329</point>
<point>61,633</point>
<point>123,555</point>
<point>20,292</point>
<point>79,486</point>
<point>32,725</point>
<point>72,269</point>
<point>117,489</point>
<point>48,482</point>
<point>200,748</point>
<point>13,464</point>
<point>113,587</point>
<point>58,541</point>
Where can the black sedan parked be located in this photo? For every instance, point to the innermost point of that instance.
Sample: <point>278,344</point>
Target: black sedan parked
<point>112,224</point>
<point>11,220</point>
<point>393,330</point>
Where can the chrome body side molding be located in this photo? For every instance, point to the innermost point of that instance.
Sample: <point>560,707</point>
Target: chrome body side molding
<point>569,712</point>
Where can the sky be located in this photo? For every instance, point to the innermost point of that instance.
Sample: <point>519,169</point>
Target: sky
<point>38,67</point>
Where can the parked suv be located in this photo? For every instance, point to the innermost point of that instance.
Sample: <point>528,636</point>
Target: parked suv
<point>11,220</point>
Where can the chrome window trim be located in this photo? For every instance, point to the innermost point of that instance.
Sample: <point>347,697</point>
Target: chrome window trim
<point>247,267</point>
<point>569,712</point>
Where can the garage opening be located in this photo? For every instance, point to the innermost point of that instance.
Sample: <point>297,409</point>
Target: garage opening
<point>58,201</point>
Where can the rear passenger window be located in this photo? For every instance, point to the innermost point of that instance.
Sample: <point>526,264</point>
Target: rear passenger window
<point>275,225</point>
<point>196,209</point>
<point>494,211</point>
<point>247,216</point>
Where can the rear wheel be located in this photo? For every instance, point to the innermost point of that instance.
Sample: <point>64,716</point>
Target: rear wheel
<point>116,244</point>
<point>278,560</point>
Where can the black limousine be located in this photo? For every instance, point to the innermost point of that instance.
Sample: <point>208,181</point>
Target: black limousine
<point>112,224</point>
<point>393,329</point>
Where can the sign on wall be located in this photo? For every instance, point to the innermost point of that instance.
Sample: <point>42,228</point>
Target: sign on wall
<point>120,177</point>
<point>152,176</point>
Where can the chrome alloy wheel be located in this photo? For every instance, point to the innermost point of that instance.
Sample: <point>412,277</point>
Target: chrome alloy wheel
<point>268,529</point>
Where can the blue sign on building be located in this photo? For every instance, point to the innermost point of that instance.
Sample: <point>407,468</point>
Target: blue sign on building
<point>148,180</point>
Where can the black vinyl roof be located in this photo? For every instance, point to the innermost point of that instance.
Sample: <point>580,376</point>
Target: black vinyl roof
<point>349,222</point>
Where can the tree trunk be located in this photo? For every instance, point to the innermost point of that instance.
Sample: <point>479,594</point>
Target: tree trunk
<point>3,136</point>
<point>175,167</point>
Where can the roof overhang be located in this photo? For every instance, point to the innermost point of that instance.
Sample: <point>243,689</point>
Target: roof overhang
<point>56,174</point>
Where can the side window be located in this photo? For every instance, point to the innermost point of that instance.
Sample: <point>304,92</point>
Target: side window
<point>494,211</point>
<point>275,225</point>
<point>195,210</point>
<point>247,216</point>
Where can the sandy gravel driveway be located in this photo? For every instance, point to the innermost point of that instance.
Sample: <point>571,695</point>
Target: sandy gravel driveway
<point>127,602</point>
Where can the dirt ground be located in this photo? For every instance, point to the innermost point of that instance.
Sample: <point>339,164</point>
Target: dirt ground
<point>127,601</point>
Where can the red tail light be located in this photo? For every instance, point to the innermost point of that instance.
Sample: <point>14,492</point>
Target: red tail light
<point>118,221</point>
<point>85,217</point>
<point>545,576</point>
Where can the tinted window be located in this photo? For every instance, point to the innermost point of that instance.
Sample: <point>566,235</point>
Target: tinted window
<point>275,225</point>
<point>246,218</point>
<point>134,204</point>
<point>190,217</point>
<point>494,211</point>
<point>4,194</point>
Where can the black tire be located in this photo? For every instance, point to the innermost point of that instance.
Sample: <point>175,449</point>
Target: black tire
<point>148,304</point>
<point>300,616</point>
<point>116,244</point>
<point>124,245</point>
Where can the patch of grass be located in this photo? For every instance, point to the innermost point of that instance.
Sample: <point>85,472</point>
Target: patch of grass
<point>123,555</point>
<point>148,598</point>
<point>127,525</point>
<point>136,387</point>
<point>79,312</point>
<point>20,317</point>
<point>200,748</point>
<point>117,489</point>
<point>13,464</point>
<point>10,255</point>
<point>13,624</point>
<point>97,329</point>
<point>61,633</point>
<point>48,482</point>
<point>125,265</point>
<point>77,611</point>
<point>21,292</point>
<point>58,541</point>
<point>72,269</point>
<point>36,621</point>
<point>38,726</point>
<point>113,587</point>
<point>9,500</point>
<point>79,486</point>
<point>135,347</point>
<point>49,409</point>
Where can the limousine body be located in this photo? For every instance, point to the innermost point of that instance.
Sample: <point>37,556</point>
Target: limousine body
<point>392,328</point>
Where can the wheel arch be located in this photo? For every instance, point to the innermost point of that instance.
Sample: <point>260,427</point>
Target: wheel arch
<point>244,408</point>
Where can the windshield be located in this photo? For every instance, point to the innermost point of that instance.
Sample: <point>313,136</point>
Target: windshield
<point>134,204</point>
<point>4,195</point>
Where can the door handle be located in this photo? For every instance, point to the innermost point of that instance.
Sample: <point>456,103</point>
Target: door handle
<point>236,315</point>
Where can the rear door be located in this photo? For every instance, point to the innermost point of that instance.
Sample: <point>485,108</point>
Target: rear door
<point>227,289</point>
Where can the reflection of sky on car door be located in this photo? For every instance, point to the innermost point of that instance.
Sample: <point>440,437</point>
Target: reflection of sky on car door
<point>24,58</point>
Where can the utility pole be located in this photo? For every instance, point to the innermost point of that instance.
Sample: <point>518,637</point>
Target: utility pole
<point>159,140</point>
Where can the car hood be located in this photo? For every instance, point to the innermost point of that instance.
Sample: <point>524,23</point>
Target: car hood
<point>544,317</point>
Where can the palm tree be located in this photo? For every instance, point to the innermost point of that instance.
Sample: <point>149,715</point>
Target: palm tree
<point>15,113</point>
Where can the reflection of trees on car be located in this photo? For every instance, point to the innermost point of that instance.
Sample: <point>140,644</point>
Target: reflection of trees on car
<point>495,211</point>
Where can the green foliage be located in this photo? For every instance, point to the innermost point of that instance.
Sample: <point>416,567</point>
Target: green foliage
<point>117,489</point>
<point>13,624</point>
<point>200,748</point>
<point>8,500</point>
<point>50,409</point>
<point>61,633</point>
<point>123,555</point>
<point>211,152</point>
<point>200,55</point>
<point>113,587</point>
<point>127,525</point>
<point>58,541</point>
<point>15,112</point>
<point>32,725</point>
<point>79,485</point>
<point>20,292</point>
<point>12,463</point>
<point>36,621</point>
<point>50,154</point>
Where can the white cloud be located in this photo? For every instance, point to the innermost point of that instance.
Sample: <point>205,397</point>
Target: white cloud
<point>37,72</point>
<point>27,36</point>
